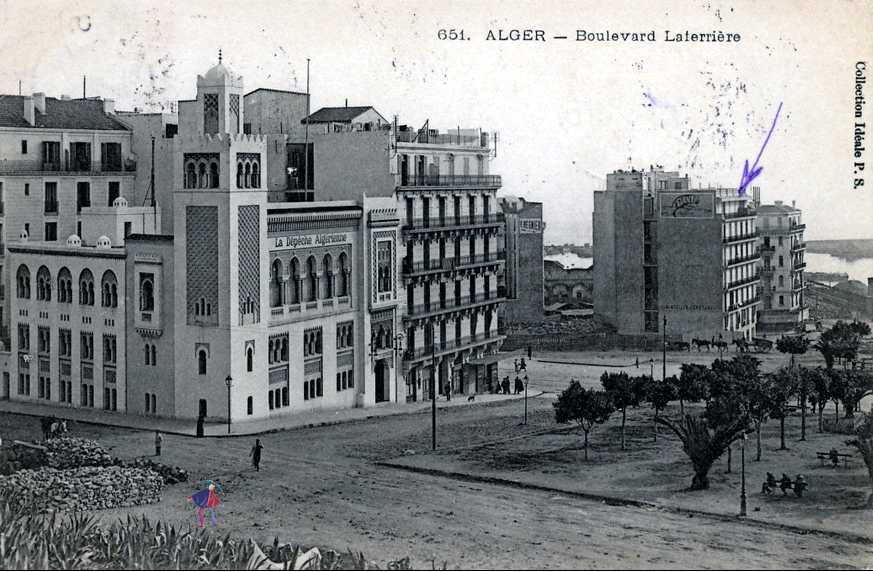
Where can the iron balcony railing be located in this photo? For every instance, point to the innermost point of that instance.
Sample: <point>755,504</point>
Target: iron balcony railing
<point>743,282</point>
<point>766,248</point>
<point>489,181</point>
<point>451,345</point>
<point>425,310</point>
<point>798,246</point>
<point>742,259</point>
<point>422,224</point>
<point>8,166</point>
<point>742,213</point>
<point>749,302</point>
<point>740,237</point>
<point>796,228</point>
<point>446,264</point>
<point>799,265</point>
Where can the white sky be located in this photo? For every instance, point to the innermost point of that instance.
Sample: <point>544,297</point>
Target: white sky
<point>567,112</point>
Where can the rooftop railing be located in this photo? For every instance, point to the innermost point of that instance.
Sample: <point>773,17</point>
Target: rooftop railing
<point>430,138</point>
<point>14,166</point>
<point>450,222</point>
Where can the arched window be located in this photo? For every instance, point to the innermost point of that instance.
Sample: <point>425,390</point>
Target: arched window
<point>148,355</point>
<point>284,354</point>
<point>22,282</point>
<point>213,175</point>
<point>239,175</point>
<point>43,284</point>
<point>276,284</point>
<point>327,276</point>
<point>256,176</point>
<point>109,289</point>
<point>190,175</point>
<point>154,355</point>
<point>65,286</point>
<point>249,359</point>
<point>202,178</point>
<point>147,296</point>
<point>294,273</point>
<point>86,288</point>
<point>312,278</point>
<point>342,287</point>
<point>201,362</point>
<point>249,405</point>
<point>248,175</point>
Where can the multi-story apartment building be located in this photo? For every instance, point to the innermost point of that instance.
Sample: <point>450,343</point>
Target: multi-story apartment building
<point>522,236</point>
<point>783,307</point>
<point>664,251</point>
<point>57,157</point>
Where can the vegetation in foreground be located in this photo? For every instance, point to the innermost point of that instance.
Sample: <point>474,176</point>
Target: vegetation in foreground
<point>77,541</point>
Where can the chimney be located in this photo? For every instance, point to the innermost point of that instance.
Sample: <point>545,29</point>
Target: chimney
<point>39,101</point>
<point>28,110</point>
<point>109,106</point>
<point>793,204</point>
<point>347,102</point>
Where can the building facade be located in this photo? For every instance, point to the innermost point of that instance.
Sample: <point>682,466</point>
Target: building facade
<point>664,251</point>
<point>522,278</point>
<point>783,304</point>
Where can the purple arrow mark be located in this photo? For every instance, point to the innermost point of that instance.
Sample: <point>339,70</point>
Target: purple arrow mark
<point>750,175</point>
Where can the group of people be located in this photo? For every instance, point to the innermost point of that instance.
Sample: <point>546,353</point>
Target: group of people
<point>520,384</point>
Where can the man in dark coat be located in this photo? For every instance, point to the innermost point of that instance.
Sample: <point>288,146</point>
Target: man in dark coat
<point>256,455</point>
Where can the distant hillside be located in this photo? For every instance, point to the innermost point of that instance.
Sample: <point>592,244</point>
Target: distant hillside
<point>848,249</point>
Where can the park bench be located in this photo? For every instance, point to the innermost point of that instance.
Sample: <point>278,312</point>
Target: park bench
<point>785,484</point>
<point>834,457</point>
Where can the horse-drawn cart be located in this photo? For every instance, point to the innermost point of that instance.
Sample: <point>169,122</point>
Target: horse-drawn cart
<point>762,344</point>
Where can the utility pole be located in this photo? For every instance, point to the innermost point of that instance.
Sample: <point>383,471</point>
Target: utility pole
<point>743,478</point>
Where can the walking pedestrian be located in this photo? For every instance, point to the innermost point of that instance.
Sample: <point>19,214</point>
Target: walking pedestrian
<point>518,386</point>
<point>529,353</point>
<point>522,365</point>
<point>159,441</point>
<point>506,385</point>
<point>256,455</point>
<point>515,364</point>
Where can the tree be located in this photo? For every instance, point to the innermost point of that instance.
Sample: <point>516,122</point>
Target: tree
<point>704,441</point>
<point>692,384</point>
<point>858,385</point>
<point>586,407</point>
<point>863,441</point>
<point>659,393</point>
<point>841,342</point>
<point>839,390</point>
<point>820,390</point>
<point>779,386</point>
<point>736,391</point>
<point>794,345</point>
<point>623,391</point>
<point>804,385</point>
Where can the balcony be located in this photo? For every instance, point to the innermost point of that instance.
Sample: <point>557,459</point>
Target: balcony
<point>741,213</point>
<point>798,246</point>
<point>420,267</point>
<point>799,265</point>
<point>26,167</point>
<point>740,305</point>
<point>451,345</point>
<point>797,228</point>
<point>291,196</point>
<point>50,207</point>
<point>743,282</point>
<point>740,237</point>
<point>453,223</point>
<point>475,181</point>
<point>766,248</point>
<point>742,259</point>
<point>421,311</point>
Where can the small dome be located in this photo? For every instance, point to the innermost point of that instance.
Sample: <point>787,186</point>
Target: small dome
<point>104,242</point>
<point>23,236</point>
<point>119,202</point>
<point>74,240</point>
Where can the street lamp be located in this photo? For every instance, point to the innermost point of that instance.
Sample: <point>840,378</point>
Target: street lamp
<point>525,398</point>
<point>743,477</point>
<point>652,368</point>
<point>228,381</point>
<point>664,363</point>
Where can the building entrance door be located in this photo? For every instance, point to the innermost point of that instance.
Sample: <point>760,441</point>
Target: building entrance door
<point>383,392</point>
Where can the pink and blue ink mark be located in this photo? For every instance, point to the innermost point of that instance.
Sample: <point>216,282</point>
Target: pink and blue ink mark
<point>205,501</point>
<point>750,175</point>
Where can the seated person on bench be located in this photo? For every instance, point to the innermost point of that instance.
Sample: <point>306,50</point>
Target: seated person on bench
<point>770,484</point>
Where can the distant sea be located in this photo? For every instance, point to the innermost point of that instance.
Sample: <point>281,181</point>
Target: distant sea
<point>857,269</point>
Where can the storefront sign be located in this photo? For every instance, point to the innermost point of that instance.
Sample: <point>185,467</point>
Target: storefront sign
<point>690,307</point>
<point>687,205</point>
<point>310,240</point>
<point>530,226</point>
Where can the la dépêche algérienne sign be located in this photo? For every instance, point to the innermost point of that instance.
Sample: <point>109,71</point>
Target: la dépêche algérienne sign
<point>310,240</point>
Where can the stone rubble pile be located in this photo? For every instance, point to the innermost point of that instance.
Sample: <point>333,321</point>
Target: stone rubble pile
<point>171,474</point>
<point>84,488</point>
<point>72,452</point>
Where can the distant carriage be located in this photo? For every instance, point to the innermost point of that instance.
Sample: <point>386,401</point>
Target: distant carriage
<point>762,344</point>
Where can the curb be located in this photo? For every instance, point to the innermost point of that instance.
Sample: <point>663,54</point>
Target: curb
<point>327,423</point>
<point>621,501</point>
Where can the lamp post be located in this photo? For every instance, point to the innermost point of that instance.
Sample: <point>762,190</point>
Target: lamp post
<point>433,387</point>
<point>743,477</point>
<point>664,358</point>
<point>525,398</point>
<point>652,368</point>
<point>228,381</point>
